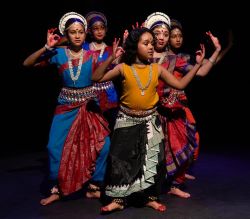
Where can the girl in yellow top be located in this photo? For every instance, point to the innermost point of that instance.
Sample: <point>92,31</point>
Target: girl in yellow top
<point>136,163</point>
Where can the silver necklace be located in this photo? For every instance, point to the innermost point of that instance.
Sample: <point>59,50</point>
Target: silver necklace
<point>75,55</point>
<point>139,82</point>
<point>160,61</point>
<point>102,48</point>
<point>74,77</point>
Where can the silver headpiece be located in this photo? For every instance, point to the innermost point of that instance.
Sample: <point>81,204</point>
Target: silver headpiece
<point>68,16</point>
<point>157,18</point>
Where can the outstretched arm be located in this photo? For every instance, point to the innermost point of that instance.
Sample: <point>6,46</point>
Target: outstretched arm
<point>52,39</point>
<point>181,84</point>
<point>100,73</point>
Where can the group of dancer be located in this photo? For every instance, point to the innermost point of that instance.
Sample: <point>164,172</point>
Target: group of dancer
<point>122,125</point>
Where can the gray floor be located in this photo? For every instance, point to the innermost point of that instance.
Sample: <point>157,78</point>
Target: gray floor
<point>221,191</point>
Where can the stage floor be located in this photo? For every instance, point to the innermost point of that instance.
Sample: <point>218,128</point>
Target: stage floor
<point>221,191</point>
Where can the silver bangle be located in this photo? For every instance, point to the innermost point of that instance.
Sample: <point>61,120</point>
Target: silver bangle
<point>212,61</point>
<point>48,48</point>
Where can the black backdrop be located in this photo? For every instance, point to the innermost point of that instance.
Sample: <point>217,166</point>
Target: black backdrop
<point>29,96</point>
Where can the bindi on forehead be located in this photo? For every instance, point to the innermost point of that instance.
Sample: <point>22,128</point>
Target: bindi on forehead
<point>76,25</point>
<point>161,30</point>
<point>76,30</point>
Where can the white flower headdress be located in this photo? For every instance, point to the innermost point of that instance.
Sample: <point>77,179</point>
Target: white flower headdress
<point>157,18</point>
<point>68,16</point>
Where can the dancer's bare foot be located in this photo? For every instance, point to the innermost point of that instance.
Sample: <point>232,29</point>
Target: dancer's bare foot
<point>96,194</point>
<point>50,199</point>
<point>157,206</point>
<point>176,191</point>
<point>93,191</point>
<point>188,176</point>
<point>115,205</point>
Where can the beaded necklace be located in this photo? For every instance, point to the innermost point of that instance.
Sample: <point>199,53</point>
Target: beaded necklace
<point>163,55</point>
<point>75,55</point>
<point>139,82</point>
<point>102,48</point>
<point>74,77</point>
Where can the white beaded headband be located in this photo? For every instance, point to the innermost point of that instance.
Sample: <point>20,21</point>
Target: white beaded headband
<point>157,18</point>
<point>68,16</point>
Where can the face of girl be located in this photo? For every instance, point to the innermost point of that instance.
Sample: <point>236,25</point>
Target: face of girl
<point>98,31</point>
<point>145,49</point>
<point>176,38</point>
<point>76,34</point>
<point>162,37</point>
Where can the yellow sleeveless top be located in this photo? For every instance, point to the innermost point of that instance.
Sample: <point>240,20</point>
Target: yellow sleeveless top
<point>132,95</point>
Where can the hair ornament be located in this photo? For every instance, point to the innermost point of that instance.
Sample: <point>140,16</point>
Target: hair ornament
<point>157,18</point>
<point>94,16</point>
<point>68,16</point>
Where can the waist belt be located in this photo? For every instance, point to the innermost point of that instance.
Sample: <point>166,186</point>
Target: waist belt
<point>72,95</point>
<point>137,113</point>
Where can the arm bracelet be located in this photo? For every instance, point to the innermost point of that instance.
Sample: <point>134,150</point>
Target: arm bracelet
<point>212,61</point>
<point>48,48</point>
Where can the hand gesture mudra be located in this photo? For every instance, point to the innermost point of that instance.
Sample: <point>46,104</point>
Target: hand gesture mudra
<point>200,54</point>
<point>137,25</point>
<point>52,38</point>
<point>215,40</point>
<point>117,50</point>
<point>125,36</point>
<point>126,33</point>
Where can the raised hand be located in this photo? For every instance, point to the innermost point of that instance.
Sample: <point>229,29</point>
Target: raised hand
<point>52,37</point>
<point>200,54</point>
<point>137,25</point>
<point>215,40</point>
<point>117,50</point>
<point>125,36</point>
<point>126,33</point>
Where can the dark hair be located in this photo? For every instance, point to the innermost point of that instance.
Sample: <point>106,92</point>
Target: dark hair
<point>131,44</point>
<point>94,20</point>
<point>90,34</point>
<point>95,16</point>
<point>71,21</point>
<point>176,24</point>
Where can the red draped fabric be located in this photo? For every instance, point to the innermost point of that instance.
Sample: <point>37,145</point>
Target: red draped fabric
<point>82,146</point>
